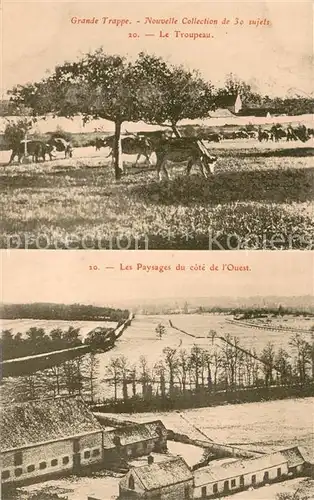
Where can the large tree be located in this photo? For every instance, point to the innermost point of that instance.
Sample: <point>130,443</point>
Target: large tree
<point>173,92</point>
<point>108,86</point>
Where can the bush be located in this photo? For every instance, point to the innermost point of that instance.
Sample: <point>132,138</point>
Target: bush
<point>60,133</point>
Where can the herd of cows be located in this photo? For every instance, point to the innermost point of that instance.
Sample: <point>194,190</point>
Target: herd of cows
<point>194,150</point>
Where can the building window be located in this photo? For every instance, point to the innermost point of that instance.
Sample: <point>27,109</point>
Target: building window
<point>278,472</point>
<point>186,491</point>
<point>30,468</point>
<point>65,460</point>
<point>18,458</point>
<point>42,465</point>
<point>204,492</point>
<point>241,480</point>
<point>54,462</point>
<point>18,472</point>
<point>215,488</point>
<point>5,474</point>
<point>254,479</point>
<point>266,475</point>
<point>131,483</point>
<point>96,452</point>
<point>86,454</point>
<point>233,483</point>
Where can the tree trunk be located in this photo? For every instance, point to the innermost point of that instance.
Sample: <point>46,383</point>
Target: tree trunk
<point>175,130</point>
<point>117,151</point>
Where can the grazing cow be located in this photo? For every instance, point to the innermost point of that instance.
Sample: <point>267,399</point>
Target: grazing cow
<point>99,143</point>
<point>60,144</point>
<point>36,149</point>
<point>263,135</point>
<point>210,137</point>
<point>295,133</point>
<point>241,134</point>
<point>132,144</point>
<point>310,132</point>
<point>252,134</point>
<point>277,133</point>
<point>182,149</point>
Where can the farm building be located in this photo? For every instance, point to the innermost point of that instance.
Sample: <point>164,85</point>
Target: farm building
<point>296,461</point>
<point>47,437</point>
<point>128,442</point>
<point>215,479</point>
<point>231,102</point>
<point>167,480</point>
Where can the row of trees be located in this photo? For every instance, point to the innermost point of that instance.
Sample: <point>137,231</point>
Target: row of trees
<point>66,312</point>
<point>224,365</point>
<point>76,376</point>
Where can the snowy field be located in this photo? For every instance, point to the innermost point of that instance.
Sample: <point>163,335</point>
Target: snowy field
<point>22,325</point>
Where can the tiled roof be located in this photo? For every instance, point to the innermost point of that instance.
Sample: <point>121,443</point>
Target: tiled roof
<point>132,434</point>
<point>33,422</point>
<point>158,475</point>
<point>213,472</point>
<point>294,456</point>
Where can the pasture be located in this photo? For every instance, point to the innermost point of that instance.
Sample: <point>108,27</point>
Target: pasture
<point>260,197</point>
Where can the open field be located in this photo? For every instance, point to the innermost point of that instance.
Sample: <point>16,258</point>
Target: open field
<point>261,193</point>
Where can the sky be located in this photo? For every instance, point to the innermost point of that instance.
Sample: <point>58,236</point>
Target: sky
<point>275,58</point>
<point>65,276</point>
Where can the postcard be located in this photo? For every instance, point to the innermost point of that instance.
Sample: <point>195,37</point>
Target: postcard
<point>135,375</point>
<point>157,125</point>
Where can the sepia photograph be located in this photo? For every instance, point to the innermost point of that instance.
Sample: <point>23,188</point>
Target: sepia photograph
<point>129,375</point>
<point>157,125</point>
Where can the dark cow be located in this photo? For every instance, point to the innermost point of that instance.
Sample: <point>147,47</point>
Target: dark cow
<point>263,135</point>
<point>210,137</point>
<point>181,149</point>
<point>241,134</point>
<point>34,148</point>
<point>60,144</point>
<point>310,132</point>
<point>131,144</point>
<point>300,132</point>
<point>277,133</point>
<point>99,143</point>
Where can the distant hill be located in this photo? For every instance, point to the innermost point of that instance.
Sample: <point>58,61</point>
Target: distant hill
<point>297,303</point>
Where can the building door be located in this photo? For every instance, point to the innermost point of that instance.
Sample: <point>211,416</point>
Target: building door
<point>76,461</point>
<point>76,454</point>
<point>241,481</point>
<point>226,486</point>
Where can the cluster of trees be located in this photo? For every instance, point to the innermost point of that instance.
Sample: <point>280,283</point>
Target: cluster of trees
<point>223,366</point>
<point>66,312</point>
<point>74,376</point>
<point>36,341</point>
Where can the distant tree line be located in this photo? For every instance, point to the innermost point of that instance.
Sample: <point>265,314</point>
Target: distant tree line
<point>66,312</point>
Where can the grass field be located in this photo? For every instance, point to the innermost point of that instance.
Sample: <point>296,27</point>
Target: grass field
<point>261,194</point>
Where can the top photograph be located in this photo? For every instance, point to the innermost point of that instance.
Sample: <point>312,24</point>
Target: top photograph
<point>157,126</point>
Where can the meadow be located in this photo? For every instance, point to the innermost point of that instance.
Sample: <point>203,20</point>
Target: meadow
<point>260,197</point>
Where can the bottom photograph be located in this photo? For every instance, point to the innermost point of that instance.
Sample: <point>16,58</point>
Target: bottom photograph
<point>171,377</point>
